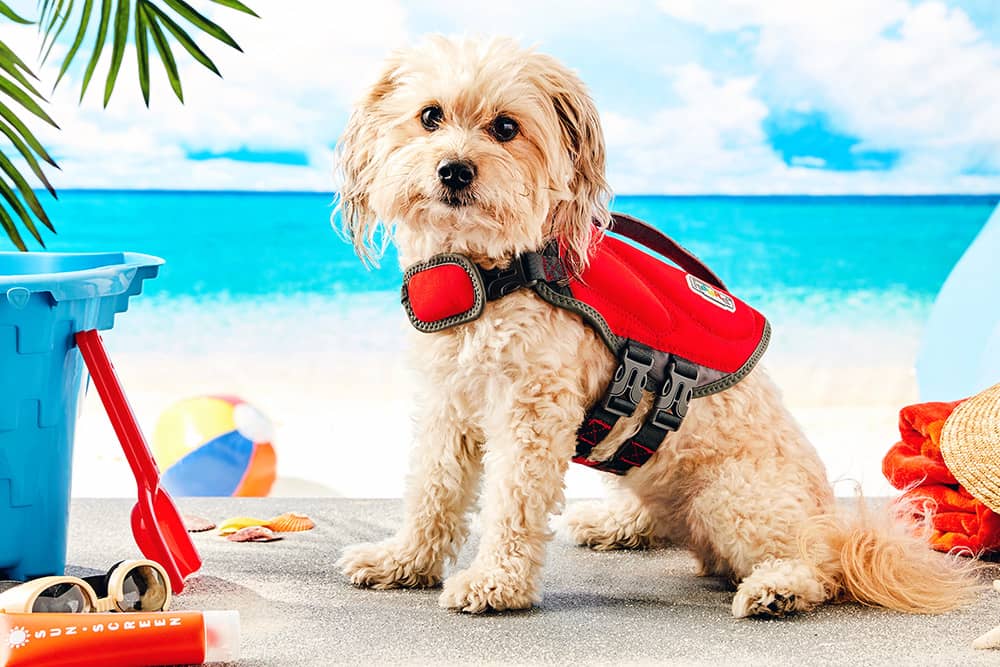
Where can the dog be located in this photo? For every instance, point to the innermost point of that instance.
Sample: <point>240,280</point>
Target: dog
<point>490,150</point>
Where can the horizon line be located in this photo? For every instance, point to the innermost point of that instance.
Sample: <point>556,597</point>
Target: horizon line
<point>690,195</point>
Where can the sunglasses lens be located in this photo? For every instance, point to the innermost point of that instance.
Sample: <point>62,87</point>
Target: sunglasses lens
<point>144,590</point>
<point>63,598</point>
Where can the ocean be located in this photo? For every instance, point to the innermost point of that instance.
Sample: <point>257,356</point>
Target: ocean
<point>260,298</point>
<point>235,259</point>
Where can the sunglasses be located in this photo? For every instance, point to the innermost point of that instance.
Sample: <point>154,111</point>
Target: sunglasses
<point>131,585</point>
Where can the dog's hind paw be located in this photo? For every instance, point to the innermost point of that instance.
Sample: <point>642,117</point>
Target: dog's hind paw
<point>778,588</point>
<point>384,565</point>
<point>480,589</point>
<point>767,603</point>
<point>594,524</point>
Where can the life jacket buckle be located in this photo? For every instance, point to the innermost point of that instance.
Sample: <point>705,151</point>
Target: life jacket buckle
<point>501,282</point>
<point>671,405</point>
<point>630,379</point>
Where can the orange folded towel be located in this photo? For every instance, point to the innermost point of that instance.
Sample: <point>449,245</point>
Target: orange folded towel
<point>915,463</point>
<point>916,459</point>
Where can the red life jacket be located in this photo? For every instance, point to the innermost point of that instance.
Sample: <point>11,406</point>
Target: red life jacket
<point>676,333</point>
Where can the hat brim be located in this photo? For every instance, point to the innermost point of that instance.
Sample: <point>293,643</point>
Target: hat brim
<point>970,446</point>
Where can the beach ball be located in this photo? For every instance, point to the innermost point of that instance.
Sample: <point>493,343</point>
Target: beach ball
<point>215,446</point>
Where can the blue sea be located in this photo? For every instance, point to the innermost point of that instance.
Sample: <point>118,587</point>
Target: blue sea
<point>852,261</point>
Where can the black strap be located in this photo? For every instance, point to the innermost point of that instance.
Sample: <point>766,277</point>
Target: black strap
<point>525,270</point>
<point>620,400</point>
<point>657,241</point>
<point>666,415</point>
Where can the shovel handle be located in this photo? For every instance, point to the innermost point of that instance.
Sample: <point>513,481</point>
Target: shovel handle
<point>118,408</point>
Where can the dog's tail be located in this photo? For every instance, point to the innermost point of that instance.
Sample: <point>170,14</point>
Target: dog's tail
<point>882,559</point>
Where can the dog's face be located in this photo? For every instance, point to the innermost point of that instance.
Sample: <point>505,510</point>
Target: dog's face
<point>485,149</point>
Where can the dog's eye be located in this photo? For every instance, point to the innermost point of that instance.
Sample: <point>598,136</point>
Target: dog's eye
<point>504,128</point>
<point>431,117</point>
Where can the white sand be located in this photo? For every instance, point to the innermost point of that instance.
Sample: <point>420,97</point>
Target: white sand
<point>335,386</point>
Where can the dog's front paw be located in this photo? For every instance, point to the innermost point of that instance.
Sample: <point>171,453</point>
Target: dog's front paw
<point>386,565</point>
<point>593,524</point>
<point>481,589</point>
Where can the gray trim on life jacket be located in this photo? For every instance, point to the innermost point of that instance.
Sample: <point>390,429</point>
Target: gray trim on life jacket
<point>596,321</point>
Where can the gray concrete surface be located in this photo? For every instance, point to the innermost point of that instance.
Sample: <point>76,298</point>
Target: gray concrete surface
<point>599,608</point>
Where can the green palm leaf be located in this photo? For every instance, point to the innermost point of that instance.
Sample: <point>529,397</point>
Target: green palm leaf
<point>238,6</point>
<point>15,203</point>
<point>54,36</point>
<point>25,190</point>
<point>189,14</point>
<point>142,51</point>
<point>117,47</point>
<point>158,21</point>
<point>163,48</point>
<point>183,38</point>
<point>7,114</point>
<point>102,35</point>
<point>88,6</point>
<point>28,156</point>
<point>11,229</point>
<point>15,67</point>
<point>24,99</point>
<point>6,11</point>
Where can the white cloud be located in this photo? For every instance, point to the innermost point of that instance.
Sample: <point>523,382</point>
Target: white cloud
<point>289,90</point>
<point>919,79</point>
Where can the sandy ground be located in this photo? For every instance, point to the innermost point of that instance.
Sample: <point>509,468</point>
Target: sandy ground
<point>333,406</point>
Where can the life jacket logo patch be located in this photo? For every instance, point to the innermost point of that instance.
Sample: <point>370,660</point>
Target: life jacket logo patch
<point>712,294</point>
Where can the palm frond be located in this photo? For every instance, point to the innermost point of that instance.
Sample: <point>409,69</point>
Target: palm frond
<point>142,51</point>
<point>183,38</point>
<point>163,48</point>
<point>7,193</point>
<point>23,98</point>
<point>28,155</point>
<point>88,7</point>
<point>7,114</point>
<point>22,186</point>
<point>238,6</point>
<point>158,21</point>
<point>53,36</point>
<point>149,21</point>
<point>11,229</point>
<point>9,13</point>
<point>117,48</point>
<point>102,35</point>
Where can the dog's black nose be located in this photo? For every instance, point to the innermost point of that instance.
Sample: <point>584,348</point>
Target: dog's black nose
<point>456,174</point>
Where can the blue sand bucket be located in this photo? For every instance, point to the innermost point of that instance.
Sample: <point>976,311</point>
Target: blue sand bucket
<point>45,298</point>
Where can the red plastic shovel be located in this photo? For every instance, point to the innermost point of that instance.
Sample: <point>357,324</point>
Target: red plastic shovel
<point>156,524</point>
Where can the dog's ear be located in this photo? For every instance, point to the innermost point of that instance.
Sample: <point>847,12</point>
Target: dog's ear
<point>573,220</point>
<point>356,167</point>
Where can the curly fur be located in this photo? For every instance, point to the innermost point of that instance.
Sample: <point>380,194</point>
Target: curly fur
<point>502,397</point>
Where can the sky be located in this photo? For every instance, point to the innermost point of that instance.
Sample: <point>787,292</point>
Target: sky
<point>696,96</point>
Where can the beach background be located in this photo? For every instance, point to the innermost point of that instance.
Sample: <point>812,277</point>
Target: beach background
<point>261,298</point>
<point>830,160</point>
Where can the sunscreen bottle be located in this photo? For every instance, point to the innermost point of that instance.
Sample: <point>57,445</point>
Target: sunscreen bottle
<point>119,640</point>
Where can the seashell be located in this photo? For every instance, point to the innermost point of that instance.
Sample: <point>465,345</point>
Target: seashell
<point>291,522</point>
<point>230,526</point>
<point>253,534</point>
<point>196,524</point>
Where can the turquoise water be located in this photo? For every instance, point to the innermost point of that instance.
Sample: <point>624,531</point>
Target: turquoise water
<point>253,274</point>
<point>890,253</point>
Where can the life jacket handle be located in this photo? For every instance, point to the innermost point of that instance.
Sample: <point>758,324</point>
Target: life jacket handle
<point>644,234</point>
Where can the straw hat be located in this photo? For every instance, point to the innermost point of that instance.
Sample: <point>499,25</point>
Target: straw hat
<point>970,446</point>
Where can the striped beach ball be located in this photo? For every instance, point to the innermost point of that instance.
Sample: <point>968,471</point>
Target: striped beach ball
<point>215,446</point>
